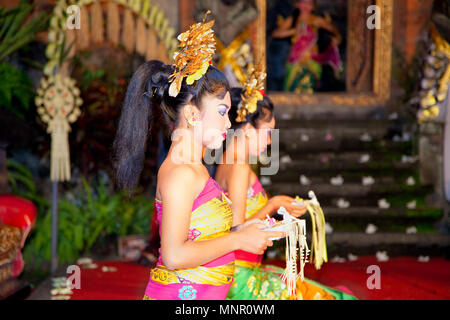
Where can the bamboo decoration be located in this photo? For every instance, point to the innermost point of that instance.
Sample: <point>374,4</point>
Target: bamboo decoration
<point>93,29</point>
<point>83,35</point>
<point>152,43</point>
<point>97,23</point>
<point>128,31</point>
<point>162,52</point>
<point>135,5</point>
<point>145,9</point>
<point>113,25</point>
<point>141,35</point>
<point>151,15</point>
<point>58,104</point>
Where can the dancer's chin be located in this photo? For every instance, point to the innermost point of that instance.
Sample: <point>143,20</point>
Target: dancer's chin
<point>262,151</point>
<point>255,153</point>
<point>215,144</point>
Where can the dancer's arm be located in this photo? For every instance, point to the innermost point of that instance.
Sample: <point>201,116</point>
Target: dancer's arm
<point>324,24</point>
<point>284,30</point>
<point>275,203</point>
<point>237,185</point>
<point>178,190</point>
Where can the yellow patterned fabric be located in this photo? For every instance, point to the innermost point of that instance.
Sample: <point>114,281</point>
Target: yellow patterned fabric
<point>210,220</point>
<point>255,203</point>
<point>245,264</point>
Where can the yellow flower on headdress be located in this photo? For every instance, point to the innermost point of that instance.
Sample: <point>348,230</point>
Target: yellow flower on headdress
<point>197,46</point>
<point>252,93</point>
<point>198,74</point>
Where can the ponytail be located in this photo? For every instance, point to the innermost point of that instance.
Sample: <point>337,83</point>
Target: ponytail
<point>135,123</point>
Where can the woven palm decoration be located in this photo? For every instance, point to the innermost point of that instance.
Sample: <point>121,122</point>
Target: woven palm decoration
<point>318,242</point>
<point>296,247</point>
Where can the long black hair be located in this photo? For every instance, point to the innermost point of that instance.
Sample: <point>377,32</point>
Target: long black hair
<point>148,90</point>
<point>264,110</point>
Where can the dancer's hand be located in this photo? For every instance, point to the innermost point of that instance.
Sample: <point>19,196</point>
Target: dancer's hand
<point>249,222</point>
<point>252,238</point>
<point>287,202</point>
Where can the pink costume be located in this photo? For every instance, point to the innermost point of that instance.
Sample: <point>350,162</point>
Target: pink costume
<point>256,200</point>
<point>211,218</point>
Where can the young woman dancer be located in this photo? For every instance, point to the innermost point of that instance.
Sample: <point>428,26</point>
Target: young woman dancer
<point>197,249</point>
<point>249,201</point>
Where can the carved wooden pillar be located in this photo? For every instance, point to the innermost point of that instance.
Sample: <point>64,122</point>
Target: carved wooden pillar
<point>383,51</point>
<point>360,46</point>
<point>259,43</point>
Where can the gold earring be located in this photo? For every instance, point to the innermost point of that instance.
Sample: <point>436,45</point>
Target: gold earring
<point>192,122</point>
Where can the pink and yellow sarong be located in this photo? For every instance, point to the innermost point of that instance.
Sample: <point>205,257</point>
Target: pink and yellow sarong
<point>211,218</point>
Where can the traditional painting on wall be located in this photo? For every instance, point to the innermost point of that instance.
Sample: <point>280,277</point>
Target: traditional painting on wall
<point>306,45</point>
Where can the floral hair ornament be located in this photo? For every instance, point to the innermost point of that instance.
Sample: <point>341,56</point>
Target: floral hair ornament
<point>197,46</point>
<point>253,92</point>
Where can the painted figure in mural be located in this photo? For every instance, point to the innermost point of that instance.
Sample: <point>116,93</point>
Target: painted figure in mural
<point>196,256</point>
<point>305,60</point>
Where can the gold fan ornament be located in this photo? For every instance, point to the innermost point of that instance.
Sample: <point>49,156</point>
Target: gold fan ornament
<point>197,46</point>
<point>253,92</point>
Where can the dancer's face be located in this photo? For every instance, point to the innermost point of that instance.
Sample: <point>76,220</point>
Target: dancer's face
<point>214,120</point>
<point>306,6</point>
<point>260,138</point>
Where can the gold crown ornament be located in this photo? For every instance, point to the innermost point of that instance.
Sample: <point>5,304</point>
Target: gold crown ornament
<point>197,46</point>
<point>253,92</point>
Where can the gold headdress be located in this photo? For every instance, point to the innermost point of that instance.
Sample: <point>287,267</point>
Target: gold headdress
<point>253,89</point>
<point>197,46</point>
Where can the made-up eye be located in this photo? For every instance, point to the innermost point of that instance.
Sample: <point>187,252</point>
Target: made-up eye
<point>223,110</point>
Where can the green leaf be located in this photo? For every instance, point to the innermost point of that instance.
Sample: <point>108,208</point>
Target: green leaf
<point>29,183</point>
<point>16,166</point>
<point>15,31</point>
<point>78,233</point>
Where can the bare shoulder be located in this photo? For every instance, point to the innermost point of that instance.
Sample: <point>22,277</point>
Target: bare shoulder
<point>252,177</point>
<point>183,172</point>
<point>320,22</point>
<point>182,178</point>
